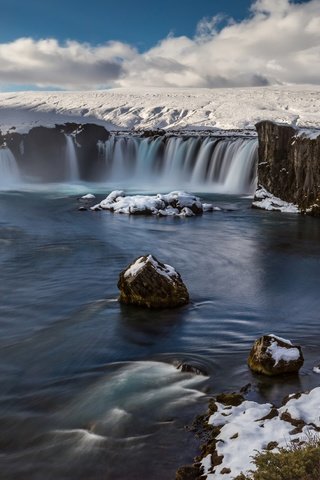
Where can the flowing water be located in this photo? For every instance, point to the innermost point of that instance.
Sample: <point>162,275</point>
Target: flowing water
<point>88,387</point>
<point>208,163</point>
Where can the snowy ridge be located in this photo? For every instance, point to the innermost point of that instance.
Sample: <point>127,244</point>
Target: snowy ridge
<point>121,108</point>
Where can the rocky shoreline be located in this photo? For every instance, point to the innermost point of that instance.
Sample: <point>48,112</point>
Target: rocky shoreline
<point>235,428</point>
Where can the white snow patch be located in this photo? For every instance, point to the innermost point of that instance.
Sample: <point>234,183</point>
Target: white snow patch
<point>244,432</point>
<point>135,267</point>
<point>166,270</point>
<point>282,353</point>
<point>310,133</point>
<point>316,369</point>
<point>284,340</point>
<point>266,201</point>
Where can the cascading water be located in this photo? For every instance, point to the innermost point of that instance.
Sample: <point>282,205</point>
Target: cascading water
<point>9,171</point>
<point>71,160</point>
<point>199,163</point>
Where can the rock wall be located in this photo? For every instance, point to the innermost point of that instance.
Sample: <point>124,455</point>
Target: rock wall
<point>41,153</point>
<point>289,164</point>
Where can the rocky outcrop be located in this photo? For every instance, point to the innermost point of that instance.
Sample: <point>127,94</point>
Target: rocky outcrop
<point>149,283</point>
<point>272,355</point>
<point>174,204</point>
<point>289,164</point>
<point>41,153</point>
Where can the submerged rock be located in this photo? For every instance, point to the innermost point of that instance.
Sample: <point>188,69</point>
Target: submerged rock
<point>272,355</point>
<point>149,283</point>
<point>188,368</point>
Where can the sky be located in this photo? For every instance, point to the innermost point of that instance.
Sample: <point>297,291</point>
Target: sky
<point>69,44</point>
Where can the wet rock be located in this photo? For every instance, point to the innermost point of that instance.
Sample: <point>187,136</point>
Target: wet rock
<point>189,472</point>
<point>82,209</point>
<point>225,471</point>
<point>271,355</point>
<point>230,399</point>
<point>187,367</point>
<point>152,133</point>
<point>149,283</point>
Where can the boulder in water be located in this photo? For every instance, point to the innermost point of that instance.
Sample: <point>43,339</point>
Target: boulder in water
<point>272,355</point>
<point>185,367</point>
<point>149,283</point>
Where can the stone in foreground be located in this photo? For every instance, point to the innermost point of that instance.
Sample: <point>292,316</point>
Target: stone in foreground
<point>149,283</point>
<point>272,355</point>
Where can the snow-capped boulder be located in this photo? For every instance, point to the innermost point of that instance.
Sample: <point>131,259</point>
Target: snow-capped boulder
<point>149,283</point>
<point>272,355</point>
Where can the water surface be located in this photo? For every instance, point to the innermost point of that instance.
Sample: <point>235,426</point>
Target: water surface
<point>88,389</point>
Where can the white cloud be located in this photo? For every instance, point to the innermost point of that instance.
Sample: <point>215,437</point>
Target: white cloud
<point>46,63</point>
<point>278,43</point>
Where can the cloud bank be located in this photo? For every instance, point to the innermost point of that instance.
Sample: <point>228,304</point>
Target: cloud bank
<point>278,43</point>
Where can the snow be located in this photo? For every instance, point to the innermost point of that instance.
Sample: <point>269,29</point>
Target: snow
<point>310,133</point>
<point>306,408</point>
<point>150,108</point>
<point>243,432</point>
<point>284,340</point>
<point>88,196</point>
<point>167,270</point>
<point>282,353</point>
<point>177,204</point>
<point>135,267</point>
<point>266,201</point>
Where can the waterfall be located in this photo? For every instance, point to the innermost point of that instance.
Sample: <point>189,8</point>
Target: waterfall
<point>71,160</point>
<point>9,171</point>
<point>198,163</point>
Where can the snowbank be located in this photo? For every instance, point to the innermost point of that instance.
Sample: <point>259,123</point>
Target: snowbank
<point>219,108</point>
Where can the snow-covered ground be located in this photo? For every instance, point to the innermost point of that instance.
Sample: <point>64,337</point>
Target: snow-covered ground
<point>220,108</point>
<point>251,427</point>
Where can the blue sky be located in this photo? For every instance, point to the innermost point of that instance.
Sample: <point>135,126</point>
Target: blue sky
<point>83,45</point>
<point>138,22</point>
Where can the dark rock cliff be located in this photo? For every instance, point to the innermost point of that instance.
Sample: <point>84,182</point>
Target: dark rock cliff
<point>41,153</point>
<point>289,164</point>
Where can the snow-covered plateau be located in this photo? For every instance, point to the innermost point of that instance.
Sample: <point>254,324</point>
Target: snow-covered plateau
<point>140,108</point>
